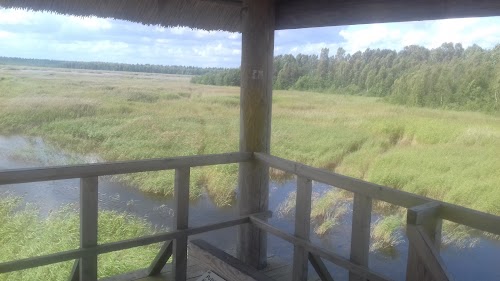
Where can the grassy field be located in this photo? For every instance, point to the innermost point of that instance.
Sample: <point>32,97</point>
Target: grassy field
<point>451,156</point>
<point>23,234</point>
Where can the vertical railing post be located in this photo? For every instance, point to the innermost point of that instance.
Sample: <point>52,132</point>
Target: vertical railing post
<point>426,216</point>
<point>302,227</point>
<point>181,194</point>
<point>360,236</point>
<point>88,226</point>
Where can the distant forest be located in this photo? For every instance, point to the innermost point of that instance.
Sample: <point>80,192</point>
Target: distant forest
<point>108,66</point>
<point>448,77</point>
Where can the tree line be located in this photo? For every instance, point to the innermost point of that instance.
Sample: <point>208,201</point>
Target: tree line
<point>108,66</point>
<point>448,77</point>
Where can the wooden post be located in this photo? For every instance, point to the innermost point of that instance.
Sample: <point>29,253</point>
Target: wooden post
<point>255,123</point>
<point>425,215</point>
<point>302,227</point>
<point>181,194</point>
<point>88,226</point>
<point>360,237</point>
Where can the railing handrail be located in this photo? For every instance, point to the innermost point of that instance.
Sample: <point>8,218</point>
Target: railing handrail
<point>26,175</point>
<point>455,213</point>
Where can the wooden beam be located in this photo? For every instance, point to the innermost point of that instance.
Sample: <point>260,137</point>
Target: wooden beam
<point>257,27</point>
<point>433,268</point>
<point>326,254</point>
<point>181,194</point>
<point>223,264</point>
<point>114,168</point>
<point>88,226</point>
<point>161,259</point>
<point>427,217</point>
<point>75,271</point>
<point>304,14</point>
<point>360,236</point>
<point>302,227</point>
<point>458,214</point>
<point>22,264</point>
<point>320,268</point>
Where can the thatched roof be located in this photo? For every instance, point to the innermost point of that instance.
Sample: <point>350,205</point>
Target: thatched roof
<point>208,15</point>
<point>225,14</point>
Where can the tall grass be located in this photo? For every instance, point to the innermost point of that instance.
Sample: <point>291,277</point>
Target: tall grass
<point>447,155</point>
<point>24,234</point>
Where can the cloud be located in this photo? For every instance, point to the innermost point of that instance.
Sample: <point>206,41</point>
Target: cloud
<point>53,36</point>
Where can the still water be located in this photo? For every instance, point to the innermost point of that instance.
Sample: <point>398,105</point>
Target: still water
<point>481,262</point>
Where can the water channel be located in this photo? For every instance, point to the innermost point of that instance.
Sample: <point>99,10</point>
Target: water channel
<point>481,262</point>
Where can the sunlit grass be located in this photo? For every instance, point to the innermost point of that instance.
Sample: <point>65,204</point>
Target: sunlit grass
<point>446,155</point>
<point>24,234</point>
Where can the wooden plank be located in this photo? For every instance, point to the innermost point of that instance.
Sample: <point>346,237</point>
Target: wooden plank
<point>326,254</point>
<point>461,215</point>
<point>434,269</point>
<point>420,214</point>
<point>88,226</point>
<point>114,168</point>
<point>360,237</point>
<point>320,268</point>
<point>306,14</point>
<point>120,245</point>
<point>225,265</point>
<point>181,194</point>
<point>75,272</point>
<point>302,227</point>
<point>257,28</point>
<point>426,216</point>
<point>161,259</point>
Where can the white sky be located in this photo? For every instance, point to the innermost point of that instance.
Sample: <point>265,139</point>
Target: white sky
<point>46,35</point>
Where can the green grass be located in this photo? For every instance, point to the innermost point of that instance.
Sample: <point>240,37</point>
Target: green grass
<point>24,234</point>
<point>447,155</point>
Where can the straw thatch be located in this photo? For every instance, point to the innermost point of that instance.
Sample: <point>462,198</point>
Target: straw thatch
<point>202,14</point>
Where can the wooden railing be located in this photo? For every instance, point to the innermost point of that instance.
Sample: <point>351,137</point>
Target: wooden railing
<point>424,219</point>
<point>86,266</point>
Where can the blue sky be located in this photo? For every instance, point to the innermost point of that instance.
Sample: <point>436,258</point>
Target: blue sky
<point>46,35</point>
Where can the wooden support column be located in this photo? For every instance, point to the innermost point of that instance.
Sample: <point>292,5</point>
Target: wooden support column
<point>427,216</point>
<point>257,18</point>
<point>88,226</point>
<point>360,237</point>
<point>181,194</point>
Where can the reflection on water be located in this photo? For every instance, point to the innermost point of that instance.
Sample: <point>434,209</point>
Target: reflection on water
<point>478,263</point>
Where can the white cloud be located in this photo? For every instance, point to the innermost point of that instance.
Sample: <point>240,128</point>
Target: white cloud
<point>89,23</point>
<point>14,16</point>
<point>482,31</point>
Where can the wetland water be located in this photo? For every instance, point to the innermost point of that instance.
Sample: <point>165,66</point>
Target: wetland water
<point>480,262</point>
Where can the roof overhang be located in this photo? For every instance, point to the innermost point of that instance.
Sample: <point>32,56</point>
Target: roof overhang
<point>290,14</point>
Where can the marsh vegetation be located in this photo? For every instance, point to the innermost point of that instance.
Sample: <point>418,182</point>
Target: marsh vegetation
<point>446,155</point>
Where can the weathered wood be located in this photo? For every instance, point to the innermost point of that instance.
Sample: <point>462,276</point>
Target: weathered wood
<point>181,194</point>
<point>75,272</point>
<point>120,245</point>
<point>161,259</point>
<point>114,168</point>
<point>461,215</point>
<point>302,227</point>
<point>320,268</point>
<point>326,254</point>
<point>425,216</point>
<point>420,214</point>
<point>306,14</point>
<point>432,267</point>
<point>360,237</point>
<point>257,21</point>
<point>225,265</point>
<point>88,226</point>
